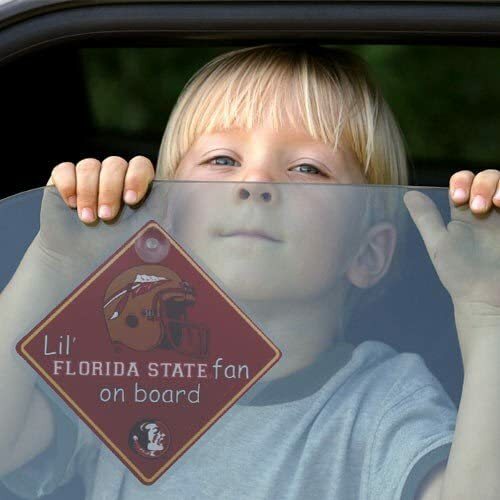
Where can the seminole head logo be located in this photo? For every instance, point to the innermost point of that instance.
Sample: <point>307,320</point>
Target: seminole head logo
<point>149,438</point>
<point>146,307</point>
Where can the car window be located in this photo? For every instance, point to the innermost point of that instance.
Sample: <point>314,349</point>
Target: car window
<point>398,371</point>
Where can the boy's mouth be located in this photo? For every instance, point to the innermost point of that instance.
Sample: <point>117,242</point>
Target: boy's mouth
<point>254,233</point>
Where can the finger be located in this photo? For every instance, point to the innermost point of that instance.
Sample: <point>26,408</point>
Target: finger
<point>111,180</point>
<point>460,184</point>
<point>63,177</point>
<point>483,188</point>
<point>140,174</point>
<point>496,197</point>
<point>427,218</point>
<point>87,186</point>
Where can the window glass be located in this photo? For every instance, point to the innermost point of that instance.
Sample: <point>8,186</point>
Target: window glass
<point>360,302</point>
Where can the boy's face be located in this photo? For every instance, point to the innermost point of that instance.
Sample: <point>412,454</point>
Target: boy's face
<point>264,239</point>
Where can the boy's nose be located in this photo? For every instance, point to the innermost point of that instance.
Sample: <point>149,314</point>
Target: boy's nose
<point>257,192</point>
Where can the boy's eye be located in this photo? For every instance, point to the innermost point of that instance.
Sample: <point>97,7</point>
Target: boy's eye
<point>306,168</point>
<point>223,164</point>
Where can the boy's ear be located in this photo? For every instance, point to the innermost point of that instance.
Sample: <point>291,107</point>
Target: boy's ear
<point>374,256</point>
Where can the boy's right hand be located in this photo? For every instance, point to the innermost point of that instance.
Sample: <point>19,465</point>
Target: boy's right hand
<point>97,189</point>
<point>70,250</point>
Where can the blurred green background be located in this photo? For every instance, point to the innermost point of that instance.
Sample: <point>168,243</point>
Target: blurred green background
<point>446,99</point>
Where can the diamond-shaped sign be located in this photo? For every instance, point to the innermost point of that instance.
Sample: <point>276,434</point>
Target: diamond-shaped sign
<point>149,352</point>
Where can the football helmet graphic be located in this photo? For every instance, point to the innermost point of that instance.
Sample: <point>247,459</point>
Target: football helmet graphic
<point>146,308</point>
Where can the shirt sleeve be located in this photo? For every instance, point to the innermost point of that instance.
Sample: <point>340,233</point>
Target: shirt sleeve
<point>413,435</point>
<point>59,463</point>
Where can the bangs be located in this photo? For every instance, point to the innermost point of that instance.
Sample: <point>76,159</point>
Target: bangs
<point>274,97</point>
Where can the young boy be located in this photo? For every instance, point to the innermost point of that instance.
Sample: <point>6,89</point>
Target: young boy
<point>334,420</point>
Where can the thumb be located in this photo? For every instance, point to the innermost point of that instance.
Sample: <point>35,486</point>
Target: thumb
<point>427,218</point>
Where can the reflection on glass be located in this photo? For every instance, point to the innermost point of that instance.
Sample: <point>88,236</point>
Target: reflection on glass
<point>363,402</point>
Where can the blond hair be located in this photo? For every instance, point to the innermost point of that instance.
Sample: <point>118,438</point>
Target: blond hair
<point>326,91</point>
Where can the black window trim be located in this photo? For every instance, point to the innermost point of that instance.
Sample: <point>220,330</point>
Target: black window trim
<point>243,22</point>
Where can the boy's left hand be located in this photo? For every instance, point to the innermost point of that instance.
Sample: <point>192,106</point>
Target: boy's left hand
<point>466,252</point>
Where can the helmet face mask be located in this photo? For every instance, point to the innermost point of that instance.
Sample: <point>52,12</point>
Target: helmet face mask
<point>178,332</point>
<point>145,308</point>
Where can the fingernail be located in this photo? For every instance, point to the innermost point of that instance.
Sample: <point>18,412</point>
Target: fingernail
<point>497,196</point>
<point>459,194</point>
<point>130,196</point>
<point>87,215</point>
<point>104,211</point>
<point>478,203</point>
<point>72,201</point>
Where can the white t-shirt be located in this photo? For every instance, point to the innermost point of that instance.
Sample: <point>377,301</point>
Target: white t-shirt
<point>361,423</point>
